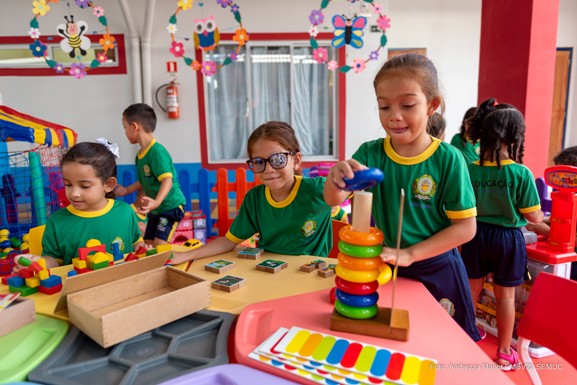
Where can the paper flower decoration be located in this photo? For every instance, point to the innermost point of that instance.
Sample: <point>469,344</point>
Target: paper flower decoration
<point>347,32</point>
<point>206,37</point>
<point>74,41</point>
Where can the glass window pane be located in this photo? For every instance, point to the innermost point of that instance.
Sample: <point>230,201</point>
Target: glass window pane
<point>270,82</point>
<point>227,97</point>
<point>312,119</point>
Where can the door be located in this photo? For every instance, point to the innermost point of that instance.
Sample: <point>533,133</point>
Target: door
<point>560,92</point>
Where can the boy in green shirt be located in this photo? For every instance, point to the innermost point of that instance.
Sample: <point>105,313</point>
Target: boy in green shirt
<point>159,194</point>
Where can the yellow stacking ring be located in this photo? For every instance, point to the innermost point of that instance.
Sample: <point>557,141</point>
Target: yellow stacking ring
<point>359,263</point>
<point>356,312</point>
<point>360,251</point>
<point>357,276</point>
<point>373,238</point>
<point>385,274</point>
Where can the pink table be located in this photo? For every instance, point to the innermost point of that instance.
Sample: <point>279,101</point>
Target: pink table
<point>433,333</point>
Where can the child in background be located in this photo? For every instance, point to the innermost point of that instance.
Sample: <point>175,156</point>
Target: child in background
<point>286,209</point>
<point>566,157</point>
<point>159,194</point>
<point>506,198</point>
<point>436,126</point>
<point>439,209</point>
<point>461,141</point>
<point>89,173</point>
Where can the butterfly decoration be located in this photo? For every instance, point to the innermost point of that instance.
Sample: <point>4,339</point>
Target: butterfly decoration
<point>348,31</point>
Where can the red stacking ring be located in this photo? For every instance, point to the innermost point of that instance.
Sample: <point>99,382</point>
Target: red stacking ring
<point>356,288</point>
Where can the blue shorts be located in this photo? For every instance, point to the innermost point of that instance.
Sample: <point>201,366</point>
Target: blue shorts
<point>163,225</point>
<point>498,250</point>
<point>446,279</point>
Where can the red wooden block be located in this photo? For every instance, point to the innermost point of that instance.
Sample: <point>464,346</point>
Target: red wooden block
<point>83,252</point>
<point>50,290</point>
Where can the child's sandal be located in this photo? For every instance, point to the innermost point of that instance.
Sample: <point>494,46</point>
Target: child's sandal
<point>513,360</point>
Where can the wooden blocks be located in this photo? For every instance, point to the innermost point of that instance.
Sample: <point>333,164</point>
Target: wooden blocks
<point>312,266</point>
<point>228,283</point>
<point>250,253</point>
<point>382,325</point>
<point>219,266</point>
<point>271,266</point>
<point>328,271</point>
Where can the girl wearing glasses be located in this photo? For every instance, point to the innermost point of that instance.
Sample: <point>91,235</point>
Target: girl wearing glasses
<point>287,210</point>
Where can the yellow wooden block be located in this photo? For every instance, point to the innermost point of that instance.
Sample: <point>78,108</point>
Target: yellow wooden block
<point>163,248</point>
<point>41,262</point>
<point>79,263</point>
<point>44,274</point>
<point>98,257</point>
<point>92,243</point>
<point>32,282</point>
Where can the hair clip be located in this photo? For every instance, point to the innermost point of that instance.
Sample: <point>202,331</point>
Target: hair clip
<point>495,104</point>
<point>112,147</point>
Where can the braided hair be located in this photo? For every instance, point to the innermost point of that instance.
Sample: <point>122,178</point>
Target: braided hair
<point>496,125</point>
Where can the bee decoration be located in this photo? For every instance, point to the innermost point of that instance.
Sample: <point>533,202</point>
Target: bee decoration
<point>206,35</point>
<point>73,33</point>
<point>348,31</point>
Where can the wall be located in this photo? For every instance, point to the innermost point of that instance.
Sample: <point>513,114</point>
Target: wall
<point>448,29</point>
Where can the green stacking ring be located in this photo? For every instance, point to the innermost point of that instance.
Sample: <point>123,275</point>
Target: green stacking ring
<point>360,251</point>
<point>356,312</point>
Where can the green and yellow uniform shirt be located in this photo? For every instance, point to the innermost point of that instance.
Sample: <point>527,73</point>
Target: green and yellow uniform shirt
<point>436,184</point>
<point>153,165</point>
<point>504,195</point>
<point>299,225</point>
<point>69,229</point>
<point>470,151</point>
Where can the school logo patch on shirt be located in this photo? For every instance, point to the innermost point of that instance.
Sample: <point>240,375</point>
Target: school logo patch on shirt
<point>424,187</point>
<point>146,170</point>
<point>308,228</point>
<point>448,306</point>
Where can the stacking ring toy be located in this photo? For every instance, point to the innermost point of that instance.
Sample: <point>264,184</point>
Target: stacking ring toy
<point>356,275</point>
<point>357,300</point>
<point>374,237</point>
<point>385,274</point>
<point>360,251</point>
<point>356,312</point>
<point>356,288</point>
<point>359,263</point>
<point>364,179</point>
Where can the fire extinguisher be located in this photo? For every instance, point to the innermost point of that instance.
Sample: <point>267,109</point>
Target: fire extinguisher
<point>172,109</point>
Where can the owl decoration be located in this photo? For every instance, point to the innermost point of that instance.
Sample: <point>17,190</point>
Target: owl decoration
<point>206,36</point>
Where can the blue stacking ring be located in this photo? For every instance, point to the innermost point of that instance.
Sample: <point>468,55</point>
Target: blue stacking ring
<point>357,300</point>
<point>364,179</point>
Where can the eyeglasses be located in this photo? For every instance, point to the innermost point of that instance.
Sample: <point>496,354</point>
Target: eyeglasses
<point>277,161</point>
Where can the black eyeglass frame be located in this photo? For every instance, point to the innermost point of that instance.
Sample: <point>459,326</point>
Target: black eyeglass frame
<point>251,164</point>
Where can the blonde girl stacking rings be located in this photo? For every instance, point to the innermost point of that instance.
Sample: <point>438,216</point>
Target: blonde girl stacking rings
<point>359,263</point>
<point>374,237</point>
<point>360,251</point>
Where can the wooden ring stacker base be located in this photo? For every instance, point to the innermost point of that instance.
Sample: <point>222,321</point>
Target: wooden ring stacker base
<point>374,237</point>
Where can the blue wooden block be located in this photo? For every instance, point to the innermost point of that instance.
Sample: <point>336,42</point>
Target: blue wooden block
<point>53,280</point>
<point>15,281</point>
